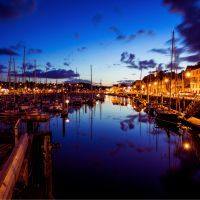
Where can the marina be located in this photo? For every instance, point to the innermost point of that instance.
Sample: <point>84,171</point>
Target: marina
<point>109,144</point>
<point>100,99</point>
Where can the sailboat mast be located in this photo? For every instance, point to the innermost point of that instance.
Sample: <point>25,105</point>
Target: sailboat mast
<point>34,71</point>
<point>91,75</point>
<point>24,67</point>
<point>9,69</point>
<point>172,55</point>
<point>14,72</point>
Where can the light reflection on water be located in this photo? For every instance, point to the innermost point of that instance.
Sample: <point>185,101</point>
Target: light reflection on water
<point>113,151</point>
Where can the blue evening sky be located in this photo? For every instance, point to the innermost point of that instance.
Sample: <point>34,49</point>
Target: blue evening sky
<point>78,32</point>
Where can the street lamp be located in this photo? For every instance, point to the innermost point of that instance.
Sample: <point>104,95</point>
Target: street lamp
<point>187,75</point>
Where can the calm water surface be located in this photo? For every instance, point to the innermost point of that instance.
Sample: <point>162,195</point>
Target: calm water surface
<point>113,151</point>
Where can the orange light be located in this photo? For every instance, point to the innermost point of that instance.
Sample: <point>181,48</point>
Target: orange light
<point>187,146</point>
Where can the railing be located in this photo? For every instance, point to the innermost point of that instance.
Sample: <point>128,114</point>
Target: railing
<point>10,172</point>
<point>193,107</point>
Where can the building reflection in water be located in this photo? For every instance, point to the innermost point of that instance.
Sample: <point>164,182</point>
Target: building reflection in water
<point>158,161</point>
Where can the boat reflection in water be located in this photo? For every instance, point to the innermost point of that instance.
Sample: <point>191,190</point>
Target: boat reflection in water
<point>112,151</point>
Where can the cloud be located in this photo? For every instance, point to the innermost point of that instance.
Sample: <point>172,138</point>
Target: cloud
<point>73,81</point>
<point>191,58</point>
<point>77,35</point>
<point>97,19</point>
<point>126,82</point>
<point>121,37</point>
<point>114,29</point>
<point>81,49</point>
<point>2,68</point>
<point>167,51</point>
<point>10,9</point>
<point>146,64</point>
<point>161,50</point>
<point>18,46</point>
<point>129,60</point>
<point>49,65</point>
<point>54,74</point>
<point>29,66</point>
<point>8,51</point>
<point>189,28</point>
<point>169,42</point>
<point>66,63</point>
<point>34,51</point>
<point>161,67</point>
<point>129,37</point>
<point>141,32</point>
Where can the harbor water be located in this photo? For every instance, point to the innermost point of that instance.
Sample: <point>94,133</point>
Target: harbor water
<point>115,150</point>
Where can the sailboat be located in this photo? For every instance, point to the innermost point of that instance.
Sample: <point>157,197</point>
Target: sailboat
<point>91,100</point>
<point>164,114</point>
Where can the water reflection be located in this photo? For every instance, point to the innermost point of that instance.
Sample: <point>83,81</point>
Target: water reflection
<point>151,161</point>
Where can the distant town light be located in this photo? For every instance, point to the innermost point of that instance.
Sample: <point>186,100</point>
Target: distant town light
<point>155,83</point>
<point>67,101</point>
<point>186,146</point>
<point>166,80</point>
<point>188,74</point>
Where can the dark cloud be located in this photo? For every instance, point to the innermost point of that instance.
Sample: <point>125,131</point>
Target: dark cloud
<point>191,58</point>
<point>2,68</point>
<point>54,74</point>
<point>145,32</point>
<point>97,19</point>
<point>29,66</point>
<point>146,64</point>
<point>130,37</point>
<point>34,51</point>
<point>121,37</point>
<point>61,74</point>
<point>114,29</point>
<point>48,64</point>
<point>125,82</point>
<point>10,9</point>
<point>73,81</point>
<point>174,66</point>
<point>77,36</point>
<point>8,51</point>
<point>190,26</point>
<point>141,32</point>
<point>169,42</point>
<point>129,60</point>
<point>161,67</point>
<point>167,51</point>
<point>66,63</point>
<point>81,49</point>
<point>161,50</point>
<point>18,46</point>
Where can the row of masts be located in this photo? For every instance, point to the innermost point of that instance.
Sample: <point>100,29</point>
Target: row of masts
<point>13,73</point>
